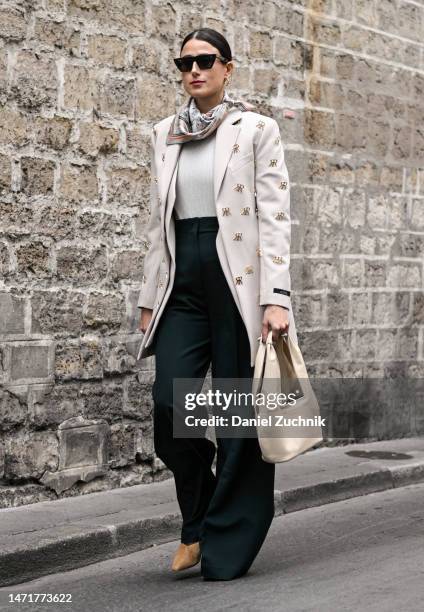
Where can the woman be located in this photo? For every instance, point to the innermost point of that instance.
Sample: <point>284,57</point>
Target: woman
<point>216,276</point>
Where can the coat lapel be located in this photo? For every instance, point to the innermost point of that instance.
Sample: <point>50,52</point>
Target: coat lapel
<point>226,136</point>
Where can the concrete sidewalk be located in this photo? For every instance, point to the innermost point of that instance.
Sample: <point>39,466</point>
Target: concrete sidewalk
<point>53,536</point>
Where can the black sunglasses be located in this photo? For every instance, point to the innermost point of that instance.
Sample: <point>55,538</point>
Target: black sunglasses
<point>204,61</point>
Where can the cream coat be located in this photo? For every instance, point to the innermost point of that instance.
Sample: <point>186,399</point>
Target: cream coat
<point>252,195</point>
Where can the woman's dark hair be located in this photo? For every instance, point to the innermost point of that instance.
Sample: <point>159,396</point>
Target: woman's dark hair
<point>213,37</point>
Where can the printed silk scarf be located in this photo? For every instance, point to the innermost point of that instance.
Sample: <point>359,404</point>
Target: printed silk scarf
<point>190,124</point>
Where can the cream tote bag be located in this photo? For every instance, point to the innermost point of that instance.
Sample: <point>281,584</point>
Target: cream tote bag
<point>280,369</point>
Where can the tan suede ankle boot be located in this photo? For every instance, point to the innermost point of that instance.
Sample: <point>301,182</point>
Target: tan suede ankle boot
<point>186,556</point>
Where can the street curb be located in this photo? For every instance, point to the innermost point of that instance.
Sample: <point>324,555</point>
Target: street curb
<point>344,488</point>
<point>70,550</point>
<point>80,549</point>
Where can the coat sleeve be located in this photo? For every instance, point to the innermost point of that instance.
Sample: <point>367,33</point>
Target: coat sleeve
<point>152,233</point>
<point>273,204</point>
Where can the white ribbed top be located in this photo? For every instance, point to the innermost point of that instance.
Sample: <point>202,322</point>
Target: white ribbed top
<point>194,190</point>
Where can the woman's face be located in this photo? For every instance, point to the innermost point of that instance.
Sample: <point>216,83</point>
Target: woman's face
<point>212,79</point>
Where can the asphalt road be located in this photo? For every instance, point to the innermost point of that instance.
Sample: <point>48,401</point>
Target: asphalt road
<point>365,553</point>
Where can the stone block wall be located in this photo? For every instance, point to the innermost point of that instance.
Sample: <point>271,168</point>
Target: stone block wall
<point>81,82</point>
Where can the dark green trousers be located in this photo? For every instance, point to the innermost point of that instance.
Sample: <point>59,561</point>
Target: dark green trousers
<point>229,512</point>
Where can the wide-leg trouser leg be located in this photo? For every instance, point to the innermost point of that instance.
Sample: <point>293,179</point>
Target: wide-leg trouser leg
<point>183,350</point>
<point>242,507</point>
<point>229,513</point>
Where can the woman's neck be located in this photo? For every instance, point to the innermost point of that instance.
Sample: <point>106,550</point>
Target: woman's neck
<point>206,104</point>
